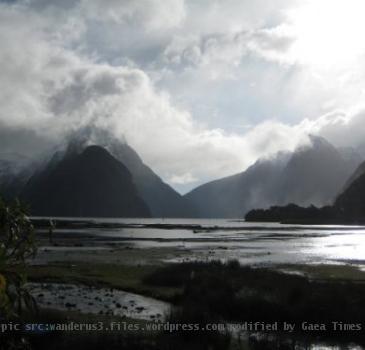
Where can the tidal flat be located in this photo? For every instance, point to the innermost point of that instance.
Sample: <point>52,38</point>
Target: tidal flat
<point>208,272</point>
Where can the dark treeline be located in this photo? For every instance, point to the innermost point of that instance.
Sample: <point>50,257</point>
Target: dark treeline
<point>293,213</point>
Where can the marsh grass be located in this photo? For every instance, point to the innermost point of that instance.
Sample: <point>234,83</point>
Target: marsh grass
<point>125,277</point>
<point>216,291</point>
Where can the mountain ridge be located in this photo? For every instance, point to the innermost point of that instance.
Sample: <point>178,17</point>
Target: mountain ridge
<point>313,174</point>
<point>89,184</point>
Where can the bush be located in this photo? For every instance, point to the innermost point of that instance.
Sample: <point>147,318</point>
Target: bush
<point>16,246</point>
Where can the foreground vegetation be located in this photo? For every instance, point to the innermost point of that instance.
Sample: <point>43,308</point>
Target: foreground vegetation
<point>16,246</point>
<point>235,293</point>
<point>217,292</point>
<point>202,293</point>
<point>124,277</point>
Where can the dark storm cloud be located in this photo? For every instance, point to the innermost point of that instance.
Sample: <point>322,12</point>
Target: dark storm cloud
<point>23,141</point>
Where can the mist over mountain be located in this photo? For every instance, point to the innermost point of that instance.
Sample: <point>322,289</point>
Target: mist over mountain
<point>161,198</point>
<point>232,196</point>
<point>316,173</point>
<point>351,201</point>
<point>358,173</point>
<point>87,184</point>
<point>15,170</point>
<point>313,174</point>
<point>348,208</point>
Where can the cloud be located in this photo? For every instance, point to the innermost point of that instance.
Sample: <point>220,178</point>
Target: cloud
<point>342,128</point>
<point>150,14</point>
<point>48,88</point>
<point>228,48</point>
<point>170,77</point>
<point>183,179</point>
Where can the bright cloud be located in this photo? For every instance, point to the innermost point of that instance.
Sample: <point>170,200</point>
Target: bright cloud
<point>328,32</point>
<point>200,89</point>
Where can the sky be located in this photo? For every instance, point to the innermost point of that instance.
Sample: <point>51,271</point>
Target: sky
<point>199,88</point>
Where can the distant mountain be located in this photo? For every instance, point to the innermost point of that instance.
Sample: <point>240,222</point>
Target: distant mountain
<point>15,170</point>
<point>161,198</point>
<point>348,208</point>
<point>358,172</point>
<point>233,196</point>
<point>91,183</point>
<point>351,202</point>
<point>313,174</point>
<point>316,173</point>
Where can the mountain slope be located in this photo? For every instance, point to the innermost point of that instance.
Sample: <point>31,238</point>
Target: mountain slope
<point>161,198</point>
<point>351,202</point>
<point>15,171</point>
<point>359,172</point>
<point>87,184</point>
<point>233,196</point>
<point>313,174</point>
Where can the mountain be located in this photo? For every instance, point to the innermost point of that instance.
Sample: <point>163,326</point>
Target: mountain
<point>351,202</point>
<point>316,173</point>
<point>312,175</point>
<point>348,208</point>
<point>162,199</point>
<point>359,172</point>
<point>91,183</point>
<point>233,196</point>
<point>15,170</point>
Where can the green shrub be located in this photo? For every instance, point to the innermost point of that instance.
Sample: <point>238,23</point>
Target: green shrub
<point>16,246</point>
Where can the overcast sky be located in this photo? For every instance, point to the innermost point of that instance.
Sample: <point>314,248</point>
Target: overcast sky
<point>200,88</point>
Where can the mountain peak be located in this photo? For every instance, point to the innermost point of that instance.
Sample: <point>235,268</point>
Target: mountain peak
<point>89,136</point>
<point>89,184</point>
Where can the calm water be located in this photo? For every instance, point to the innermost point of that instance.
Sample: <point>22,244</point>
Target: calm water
<point>250,243</point>
<point>253,243</point>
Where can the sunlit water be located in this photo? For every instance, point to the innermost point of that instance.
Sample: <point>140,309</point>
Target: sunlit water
<point>250,243</point>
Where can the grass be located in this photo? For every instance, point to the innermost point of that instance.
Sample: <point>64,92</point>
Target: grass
<point>212,292</point>
<point>345,273</point>
<point>217,291</point>
<point>125,277</point>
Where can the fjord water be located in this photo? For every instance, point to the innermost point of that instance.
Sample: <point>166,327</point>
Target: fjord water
<point>250,243</point>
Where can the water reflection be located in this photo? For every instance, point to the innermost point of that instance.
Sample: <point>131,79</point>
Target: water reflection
<point>253,243</point>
